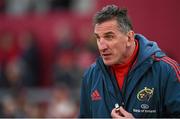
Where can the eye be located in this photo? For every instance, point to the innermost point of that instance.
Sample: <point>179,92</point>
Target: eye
<point>108,37</point>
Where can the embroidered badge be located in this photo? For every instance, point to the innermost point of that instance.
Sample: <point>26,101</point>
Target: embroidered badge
<point>145,94</point>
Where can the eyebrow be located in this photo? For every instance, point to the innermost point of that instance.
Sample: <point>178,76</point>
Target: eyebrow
<point>109,33</point>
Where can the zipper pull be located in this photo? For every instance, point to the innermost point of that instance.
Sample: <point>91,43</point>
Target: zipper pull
<point>117,107</point>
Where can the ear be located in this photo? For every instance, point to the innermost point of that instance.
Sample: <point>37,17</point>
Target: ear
<point>130,36</point>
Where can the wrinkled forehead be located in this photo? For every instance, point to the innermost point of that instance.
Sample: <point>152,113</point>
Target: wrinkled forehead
<point>108,26</point>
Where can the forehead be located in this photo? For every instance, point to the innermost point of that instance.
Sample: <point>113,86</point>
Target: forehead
<point>107,26</point>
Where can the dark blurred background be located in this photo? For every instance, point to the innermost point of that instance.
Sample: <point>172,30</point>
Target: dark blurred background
<point>45,45</point>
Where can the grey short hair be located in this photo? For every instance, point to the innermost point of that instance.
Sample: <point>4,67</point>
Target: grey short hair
<point>110,12</point>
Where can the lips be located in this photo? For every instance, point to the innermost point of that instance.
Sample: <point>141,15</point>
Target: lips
<point>106,54</point>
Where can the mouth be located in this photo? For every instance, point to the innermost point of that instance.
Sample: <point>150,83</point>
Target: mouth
<point>106,55</point>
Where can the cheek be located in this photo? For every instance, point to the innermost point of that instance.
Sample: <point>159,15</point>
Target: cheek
<point>118,48</point>
<point>119,51</point>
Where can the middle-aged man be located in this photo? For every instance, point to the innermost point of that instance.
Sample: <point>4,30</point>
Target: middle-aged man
<point>132,77</point>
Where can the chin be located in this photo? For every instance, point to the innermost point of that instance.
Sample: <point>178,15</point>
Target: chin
<point>108,63</point>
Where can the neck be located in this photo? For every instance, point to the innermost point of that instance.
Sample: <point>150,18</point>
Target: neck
<point>129,53</point>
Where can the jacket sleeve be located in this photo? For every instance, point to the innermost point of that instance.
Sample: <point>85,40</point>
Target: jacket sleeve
<point>172,92</point>
<point>85,110</point>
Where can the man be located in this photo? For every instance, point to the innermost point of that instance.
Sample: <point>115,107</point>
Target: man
<point>132,77</point>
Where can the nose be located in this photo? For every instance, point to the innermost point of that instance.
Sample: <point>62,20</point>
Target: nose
<point>102,45</point>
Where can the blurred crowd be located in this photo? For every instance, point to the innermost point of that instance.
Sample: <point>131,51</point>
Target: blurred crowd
<point>22,7</point>
<point>22,76</point>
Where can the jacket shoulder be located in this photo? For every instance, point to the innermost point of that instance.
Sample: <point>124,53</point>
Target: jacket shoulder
<point>168,64</point>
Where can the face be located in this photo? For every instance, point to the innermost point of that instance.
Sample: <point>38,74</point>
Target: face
<point>113,45</point>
